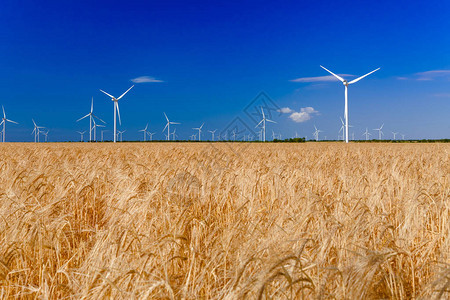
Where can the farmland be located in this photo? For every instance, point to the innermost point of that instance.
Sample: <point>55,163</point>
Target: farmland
<point>224,220</point>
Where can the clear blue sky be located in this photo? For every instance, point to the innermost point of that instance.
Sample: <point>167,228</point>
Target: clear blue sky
<point>215,57</point>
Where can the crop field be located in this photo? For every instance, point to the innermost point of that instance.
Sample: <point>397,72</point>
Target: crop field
<point>224,221</point>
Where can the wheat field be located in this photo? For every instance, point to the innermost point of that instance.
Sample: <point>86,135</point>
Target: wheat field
<point>224,221</point>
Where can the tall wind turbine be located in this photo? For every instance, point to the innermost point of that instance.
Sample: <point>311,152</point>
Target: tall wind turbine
<point>394,134</point>
<point>82,134</point>
<point>144,131</point>
<point>380,132</point>
<point>366,133</point>
<point>95,130</point>
<point>263,121</point>
<point>4,120</point>
<point>346,84</point>
<point>36,131</point>
<point>212,133</point>
<point>116,108</point>
<point>168,127</point>
<point>91,118</point>
<point>199,131</point>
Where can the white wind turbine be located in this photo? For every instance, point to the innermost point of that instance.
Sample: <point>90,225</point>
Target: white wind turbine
<point>366,133</point>
<point>346,84</point>
<point>212,133</point>
<point>144,131</point>
<point>116,108</point>
<point>394,134</point>
<point>151,135</point>
<point>82,134</point>
<point>168,127</point>
<point>263,121</point>
<point>316,133</point>
<point>91,119</point>
<point>46,134</point>
<point>95,130</point>
<point>36,131</point>
<point>121,134</point>
<point>380,132</point>
<point>199,131</point>
<point>4,120</point>
<point>174,134</point>
<point>403,136</point>
<point>102,133</point>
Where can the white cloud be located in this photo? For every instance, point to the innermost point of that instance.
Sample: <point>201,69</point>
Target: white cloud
<point>434,74</point>
<point>319,78</point>
<point>301,116</point>
<point>285,110</point>
<point>143,79</point>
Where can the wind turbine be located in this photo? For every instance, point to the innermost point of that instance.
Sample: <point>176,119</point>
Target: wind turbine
<point>121,134</point>
<point>366,133</point>
<point>82,134</point>
<point>168,127</point>
<point>234,135</point>
<point>212,133</point>
<point>144,131</point>
<point>263,121</point>
<point>394,134</point>
<point>174,135</point>
<point>116,108</point>
<point>4,120</point>
<point>199,131</point>
<point>151,135</point>
<point>380,132</point>
<point>46,134</point>
<point>346,84</point>
<point>36,131</point>
<point>316,133</point>
<point>91,118</point>
<point>403,136</point>
<point>102,133</point>
<point>95,130</point>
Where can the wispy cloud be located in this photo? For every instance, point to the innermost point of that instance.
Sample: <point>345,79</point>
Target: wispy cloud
<point>428,75</point>
<point>143,79</point>
<point>319,78</point>
<point>435,74</point>
<point>305,113</point>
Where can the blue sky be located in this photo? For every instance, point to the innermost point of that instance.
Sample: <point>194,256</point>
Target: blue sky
<point>215,57</point>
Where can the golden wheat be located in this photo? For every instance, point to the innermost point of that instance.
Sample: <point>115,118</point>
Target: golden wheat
<point>224,221</point>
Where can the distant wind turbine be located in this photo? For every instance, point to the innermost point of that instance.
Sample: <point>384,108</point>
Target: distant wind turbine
<point>144,131</point>
<point>102,133</point>
<point>263,122</point>
<point>36,131</point>
<point>199,131</point>
<point>346,84</point>
<point>4,120</point>
<point>394,134</point>
<point>82,134</point>
<point>45,133</point>
<point>380,132</point>
<point>95,130</point>
<point>168,127</point>
<point>91,119</point>
<point>116,108</point>
<point>151,135</point>
<point>366,133</point>
<point>212,133</point>
<point>316,133</point>
<point>121,134</point>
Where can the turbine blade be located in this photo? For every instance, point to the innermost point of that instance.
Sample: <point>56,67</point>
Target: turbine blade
<point>270,121</point>
<point>175,123</point>
<point>166,117</point>
<point>359,78</point>
<point>4,115</point>
<point>125,92</point>
<point>92,105</point>
<point>337,76</point>
<point>107,94</point>
<point>12,121</point>
<point>165,126</point>
<point>259,123</point>
<point>80,118</point>
<point>118,112</point>
<point>262,111</point>
<point>98,118</point>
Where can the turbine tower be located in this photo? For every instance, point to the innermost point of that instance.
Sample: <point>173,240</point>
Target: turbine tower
<point>102,133</point>
<point>82,134</point>
<point>263,121</point>
<point>346,84</point>
<point>91,119</point>
<point>199,132</point>
<point>4,120</point>
<point>116,108</point>
<point>168,127</point>
<point>380,132</point>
